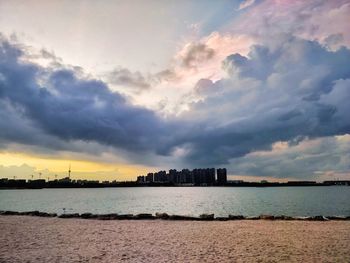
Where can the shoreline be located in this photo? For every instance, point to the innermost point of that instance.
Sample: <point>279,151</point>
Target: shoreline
<point>165,216</point>
<point>243,185</point>
<point>39,239</point>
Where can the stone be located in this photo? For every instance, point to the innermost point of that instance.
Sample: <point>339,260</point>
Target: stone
<point>301,218</point>
<point>207,217</point>
<point>144,216</point>
<point>318,218</point>
<point>88,216</point>
<point>283,217</point>
<point>180,217</point>
<point>221,218</point>
<point>252,218</point>
<point>162,215</point>
<point>75,215</point>
<point>26,213</point>
<point>10,213</point>
<point>35,213</point>
<point>235,217</point>
<point>43,214</point>
<point>267,217</point>
<point>125,216</point>
<point>336,217</point>
<point>107,216</point>
<point>52,215</point>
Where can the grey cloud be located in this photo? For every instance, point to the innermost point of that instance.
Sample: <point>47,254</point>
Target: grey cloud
<point>295,90</point>
<point>321,156</point>
<point>196,53</point>
<point>313,20</point>
<point>126,78</point>
<point>69,108</point>
<point>203,86</point>
<point>166,75</point>
<point>287,92</point>
<point>49,55</point>
<point>193,54</point>
<point>334,40</point>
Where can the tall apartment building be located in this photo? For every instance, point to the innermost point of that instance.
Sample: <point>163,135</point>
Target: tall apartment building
<point>222,176</point>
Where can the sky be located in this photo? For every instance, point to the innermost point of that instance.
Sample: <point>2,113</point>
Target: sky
<point>121,88</point>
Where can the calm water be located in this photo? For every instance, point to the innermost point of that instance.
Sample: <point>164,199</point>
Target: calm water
<point>293,201</point>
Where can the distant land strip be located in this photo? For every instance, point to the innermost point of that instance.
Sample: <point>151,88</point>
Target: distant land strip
<point>68,183</point>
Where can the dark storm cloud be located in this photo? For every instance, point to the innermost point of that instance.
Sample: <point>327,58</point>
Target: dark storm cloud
<point>297,89</point>
<point>283,92</point>
<point>59,104</point>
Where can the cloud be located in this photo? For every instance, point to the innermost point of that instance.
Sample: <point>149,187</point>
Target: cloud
<point>283,92</point>
<point>203,58</point>
<point>177,81</point>
<point>290,90</point>
<point>195,53</point>
<point>333,40</point>
<point>246,4</point>
<point>125,78</point>
<point>55,107</point>
<point>168,75</point>
<point>203,86</point>
<point>312,20</point>
<point>323,157</point>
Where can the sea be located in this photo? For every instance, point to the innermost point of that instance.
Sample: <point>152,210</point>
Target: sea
<point>193,201</point>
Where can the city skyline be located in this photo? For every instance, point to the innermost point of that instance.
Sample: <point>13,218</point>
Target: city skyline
<point>115,89</point>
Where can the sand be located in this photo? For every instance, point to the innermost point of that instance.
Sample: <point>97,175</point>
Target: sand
<point>35,239</point>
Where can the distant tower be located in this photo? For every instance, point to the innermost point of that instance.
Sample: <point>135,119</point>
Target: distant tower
<point>39,175</point>
<point>69,171</point>
<point>55,176</point>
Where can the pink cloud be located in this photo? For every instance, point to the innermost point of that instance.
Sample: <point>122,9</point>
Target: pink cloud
<point>246,4</point>
<point>314,20</point>
<point>221,46</point>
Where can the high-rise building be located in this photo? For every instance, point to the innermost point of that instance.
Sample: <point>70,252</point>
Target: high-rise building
<point>187,176</point>
<point>141,179</point>
<point>163,176</point>
<point>221,176</point>
<point>172,176</point>
<point>149,177</point>
<point>160,177</point>
<point>210,176</point>
<point>196,176</point>
<point>204,176</point>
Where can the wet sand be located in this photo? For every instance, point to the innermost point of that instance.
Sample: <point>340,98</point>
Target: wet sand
<point>35,239</point>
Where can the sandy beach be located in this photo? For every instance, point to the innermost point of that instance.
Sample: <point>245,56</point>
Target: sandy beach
<point>34,239</point>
